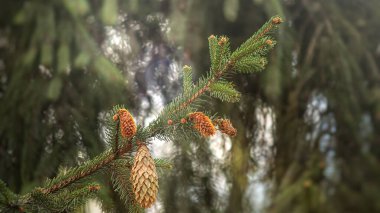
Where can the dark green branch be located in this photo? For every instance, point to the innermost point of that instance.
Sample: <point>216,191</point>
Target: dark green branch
<point>104,159</point>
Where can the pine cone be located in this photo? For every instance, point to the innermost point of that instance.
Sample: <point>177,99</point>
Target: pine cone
<point>144,178</point>
<point>202,123</point>
<point>226,127</point>
<point>127,124</point>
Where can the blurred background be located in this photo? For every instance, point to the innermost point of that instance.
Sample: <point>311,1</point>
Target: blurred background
<point>308,126</point>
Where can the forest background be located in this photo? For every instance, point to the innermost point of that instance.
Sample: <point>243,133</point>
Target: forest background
<point>308,126</point>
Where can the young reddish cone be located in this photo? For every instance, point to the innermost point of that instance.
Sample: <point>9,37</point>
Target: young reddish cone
<point>277,20</point>
<point>269,42</point>
<point>128,126</point>
<point>222,41</point>
<point>202,123</point>
<point>94,188</point>
<point>225,126</point>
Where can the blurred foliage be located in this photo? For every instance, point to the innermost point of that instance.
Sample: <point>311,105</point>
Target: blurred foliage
<point>59,72</point>
<point>56,83</point>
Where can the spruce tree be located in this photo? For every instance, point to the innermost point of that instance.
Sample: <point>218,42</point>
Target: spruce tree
<point>128,160</point>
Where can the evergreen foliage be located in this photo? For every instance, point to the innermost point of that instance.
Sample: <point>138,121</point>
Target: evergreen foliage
<point>72,187</point>
<point>225,91</point>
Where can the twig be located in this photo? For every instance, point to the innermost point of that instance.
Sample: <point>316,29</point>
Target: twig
<point>111,156</point>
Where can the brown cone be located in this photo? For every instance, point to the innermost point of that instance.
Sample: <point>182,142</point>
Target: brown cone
<point>226,127</point>
<point>202,123</point>
<point>127,124</point>
<point>144,178</point>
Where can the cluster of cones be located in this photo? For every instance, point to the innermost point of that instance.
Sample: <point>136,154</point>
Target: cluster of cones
<point>144,177</point>
<point>203,124</point>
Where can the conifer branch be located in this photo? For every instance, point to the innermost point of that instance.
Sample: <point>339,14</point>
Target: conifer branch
<point>249,57</point>
<point>138,191</point>
<point>95,164</point>
<point>109,156</point>
<point>198,93</point>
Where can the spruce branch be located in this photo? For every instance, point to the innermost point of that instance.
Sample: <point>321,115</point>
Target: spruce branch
<point>120,177</point>
<point>249,57</point>
<point>99,162</point>
<point>85,170</point>
<point>65,200</point>
<point>70,188</point>
<point>225,91</point>
<point>187,79</point>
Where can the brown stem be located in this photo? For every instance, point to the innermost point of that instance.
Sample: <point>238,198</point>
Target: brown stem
<point>244,55</point>
<point>112,156</point>
<point>117,136</point>
<point>204,88</point>
<point>265,31</point>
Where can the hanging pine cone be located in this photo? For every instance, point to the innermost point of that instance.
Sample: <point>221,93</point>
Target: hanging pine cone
<point>202,123</point>
<point>127,124</point>
<point>225,126</point>
<point>144,178</point>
